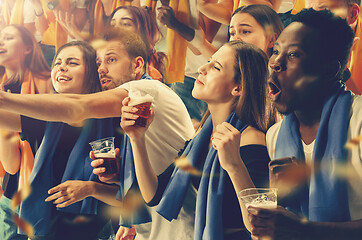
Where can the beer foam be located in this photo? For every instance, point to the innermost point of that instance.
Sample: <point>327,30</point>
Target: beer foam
<point>110,154</point>
<point>137,98</point>
<point>266,204</point>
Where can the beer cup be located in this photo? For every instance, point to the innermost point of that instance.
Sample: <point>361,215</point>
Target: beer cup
<point>104,148</point>
<point>143,103</point>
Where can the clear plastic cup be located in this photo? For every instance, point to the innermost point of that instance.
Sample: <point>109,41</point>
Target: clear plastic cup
<point>142,102</point>
<point>104,148</point>
<point>259,197</point>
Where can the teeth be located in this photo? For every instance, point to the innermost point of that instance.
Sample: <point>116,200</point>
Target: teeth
<point>63,79</point>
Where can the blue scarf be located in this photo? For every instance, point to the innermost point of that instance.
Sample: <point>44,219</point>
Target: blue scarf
<point>34,209</point>
<point>326,199</point>
<point>127,179</point>
<point>208,222</point>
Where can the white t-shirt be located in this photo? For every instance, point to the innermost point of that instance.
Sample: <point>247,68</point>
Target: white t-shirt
<point>354,159</point>
<point>165,137</point>
<point>171,126</point>
<point>181,228</point>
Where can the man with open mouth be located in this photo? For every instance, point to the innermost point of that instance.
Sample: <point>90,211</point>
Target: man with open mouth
<point>317,176</point>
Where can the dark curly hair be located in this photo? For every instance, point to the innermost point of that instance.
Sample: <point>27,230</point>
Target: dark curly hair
<point>334,35</point>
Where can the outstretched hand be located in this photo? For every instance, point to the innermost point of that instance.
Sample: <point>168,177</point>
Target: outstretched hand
<point>69,192</point>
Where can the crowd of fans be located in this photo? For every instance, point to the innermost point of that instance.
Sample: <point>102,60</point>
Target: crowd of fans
<point>244,96</point>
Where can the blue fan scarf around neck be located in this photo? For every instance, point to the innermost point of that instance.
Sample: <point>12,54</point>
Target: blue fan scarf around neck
<point>327,197</point>
<point>208,222</point>
<point>128,179</point>
<point>34,209</point>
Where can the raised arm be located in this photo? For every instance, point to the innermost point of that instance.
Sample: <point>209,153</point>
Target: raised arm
<point>222,10</point>
<point>228,141</point>
<point>73,191</point>
<point>10,151</point>
<point>146,177</point>
<point>69,108</point>
<point>219,11</point>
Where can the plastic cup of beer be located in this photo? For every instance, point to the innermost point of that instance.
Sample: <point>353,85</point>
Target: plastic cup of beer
<point>259,197</point>
<point>142,102</point>
<point>104,148</point>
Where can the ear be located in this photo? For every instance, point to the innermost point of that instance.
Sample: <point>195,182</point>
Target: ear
<point>272,40</point>
<point>236,91</point>
<point>353,13</point>
<point>332,69</point>
<point>138,64</point>
<point>28,49</point>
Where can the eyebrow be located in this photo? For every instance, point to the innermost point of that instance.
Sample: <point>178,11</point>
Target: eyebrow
<point>242,25</point>
<point>218,63</point>
<point>112,52</point>
<point>291,45</point>
<point>68,59</point>
<point>127,18</point>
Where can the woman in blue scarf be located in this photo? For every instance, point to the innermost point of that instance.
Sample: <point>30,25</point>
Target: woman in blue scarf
<point>230,142</point>
<point>62,152</point>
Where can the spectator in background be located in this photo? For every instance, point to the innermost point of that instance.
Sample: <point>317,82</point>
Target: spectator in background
<point>22,70</point>
<point>221,11</point>
<point>138,20</point>
<point>349,10</point>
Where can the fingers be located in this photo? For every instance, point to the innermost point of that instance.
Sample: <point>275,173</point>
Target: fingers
<point>65,204</point>
<point>117,152</point>
<point>129,116</point>
<point>126,101</point>
<point>263,213</point>
<point>110,178</point>
<point>226,129</point>
<point>56,189</point>
<point>92,155</point>
<point>61,199</point>
<point>96,163</point>
<point>261,220</point>
<point>225,133</point>
<point>151,117</point>
<point>281,161</point>
<point>279,166</point>
<point>54,196</point>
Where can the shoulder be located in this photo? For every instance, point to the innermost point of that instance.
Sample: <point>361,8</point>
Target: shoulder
<point>252,135</point>
<point>271,137</point>
<point>356,107</point>
<point>43,84</point>
<point>356,114</point>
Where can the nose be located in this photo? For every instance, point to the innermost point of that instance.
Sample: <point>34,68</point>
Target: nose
<point>203,69</point>
<point>277,65</point>
<point>102,69</point>
<point>62,67</point>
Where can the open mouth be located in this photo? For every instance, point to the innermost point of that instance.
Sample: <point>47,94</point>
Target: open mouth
<point>63,79</point>
<point>105,81</point>
<point>2,51</point>
<point>274,90</point>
